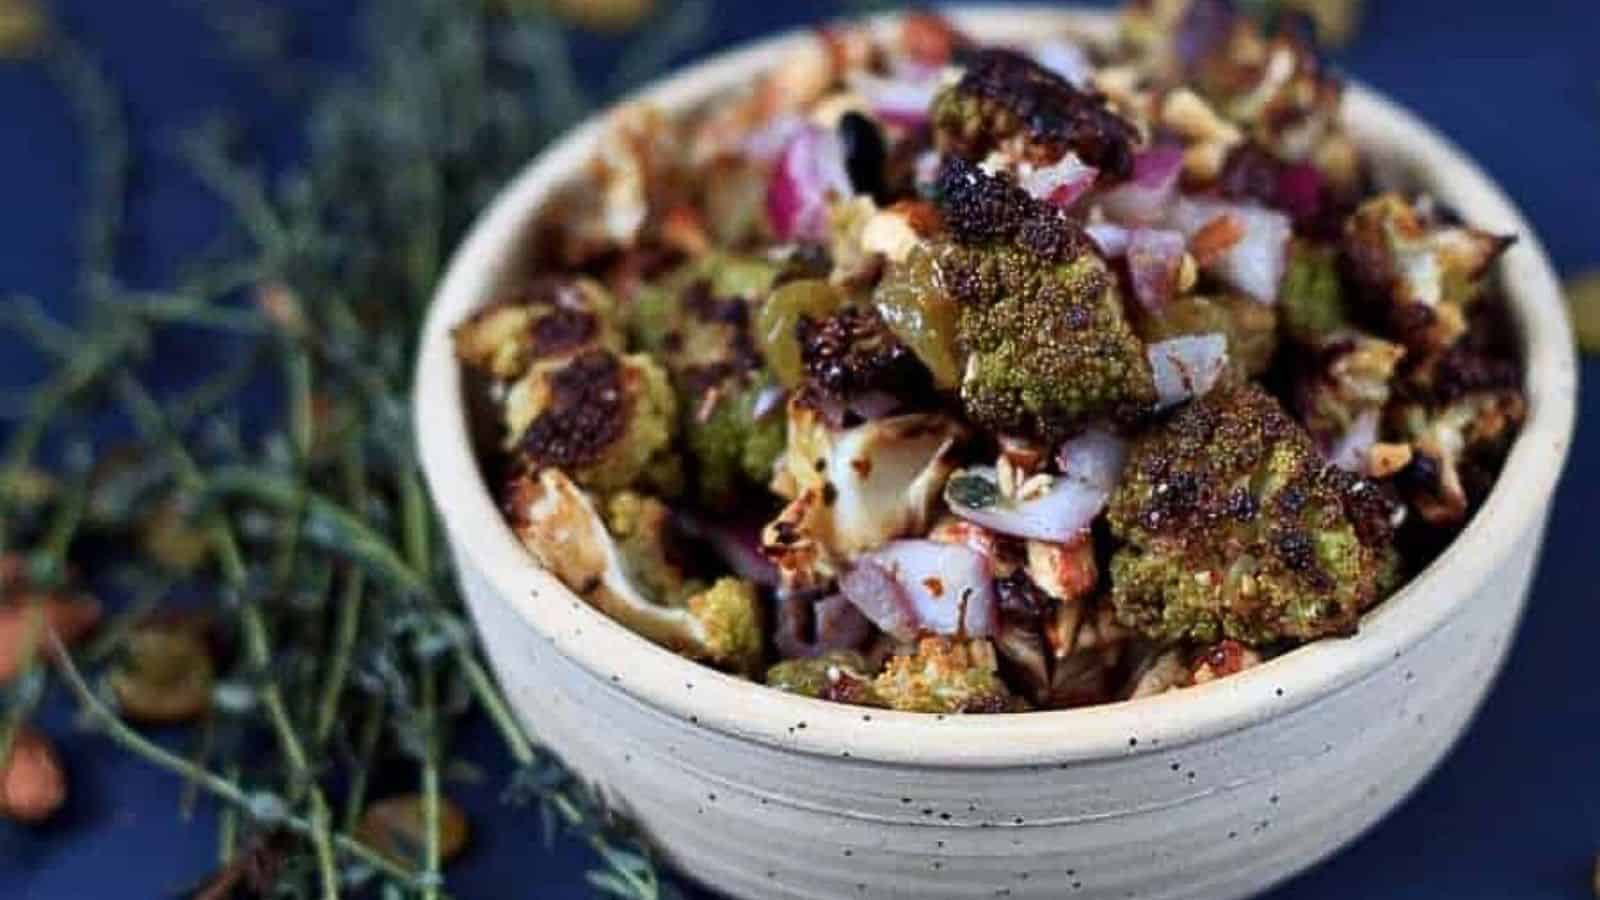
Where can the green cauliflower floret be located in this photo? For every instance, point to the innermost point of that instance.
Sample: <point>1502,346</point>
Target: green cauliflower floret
<point>1040,320</point>
<point>1251,328</point>
<point>1005,98</point>
<point>945,676</point>
<point>1234,527</point>
<point>558,522</point>
<point>1420,272</point>
<point>545,319</point>
<point>841,676</point>
<point>651,547</point>
<point>605,418</point>
<point>698,321</point>
<point>1311,301</point>
<point>729,616</point>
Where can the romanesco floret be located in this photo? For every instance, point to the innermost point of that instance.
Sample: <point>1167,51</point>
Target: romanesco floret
<point>841,676</point>
<point>698,322</point>
<point>1004,98</point>
<point>1421,272</point>
<point>604,417</point>
<point>1234,527</point>
<point>945,676</point>
<point>1041,323</point>
<point>729,616</point>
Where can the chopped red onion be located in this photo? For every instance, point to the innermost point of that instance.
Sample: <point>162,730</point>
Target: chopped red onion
<point>913,587</point>
<point>1145,198</point>
<point>1111,239</point>
<point>768,401</point>
<point>1349,452</point>
<point>1092,464</point>
<point>1301,188</point>
<point>1187,367</point>
<point>809,628</point>
<point>1254,264</point>
<point>766,143</point>
<point>1062,183</point>
<point>809,172</point>
<point>873,405</point>
<point>1066,59</point>
<point>1154,258</point>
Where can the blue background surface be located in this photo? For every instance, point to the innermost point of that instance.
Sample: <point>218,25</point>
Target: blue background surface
<point>1513,813</point>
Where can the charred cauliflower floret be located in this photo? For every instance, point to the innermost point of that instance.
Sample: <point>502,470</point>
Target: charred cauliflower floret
<point>606,418</point>
<point>1041,324</point>
<point>1234,527</point>
<point>560,525</point>
<point>841,676</point>
<point>698,321</point>
<point>1457,413</point>
<point>851,490</point>
<point>1275,87</point>
<point>651,546</point>
<point>550,318</point>
<point>1005,99</point>
<point>852,360</point>
<point>1419,272</point>
<point>1341,392</point>
<point>945,676</point>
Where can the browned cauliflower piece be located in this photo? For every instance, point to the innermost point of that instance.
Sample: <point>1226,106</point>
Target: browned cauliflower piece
<point>945,676</point>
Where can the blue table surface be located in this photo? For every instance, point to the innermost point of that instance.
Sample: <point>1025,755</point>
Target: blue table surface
<point>1513,813</point>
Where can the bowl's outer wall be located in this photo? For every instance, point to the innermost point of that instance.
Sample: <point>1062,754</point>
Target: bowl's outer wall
<point>1218,818</point>
<point>1213,792</point>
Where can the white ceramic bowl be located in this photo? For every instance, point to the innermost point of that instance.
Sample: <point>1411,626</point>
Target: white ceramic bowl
<point>1212,792</point>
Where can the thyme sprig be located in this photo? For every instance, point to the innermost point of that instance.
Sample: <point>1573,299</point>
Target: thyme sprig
<point>316,545</point>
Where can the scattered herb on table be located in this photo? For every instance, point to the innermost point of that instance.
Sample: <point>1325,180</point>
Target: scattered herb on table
<point>329,651</point>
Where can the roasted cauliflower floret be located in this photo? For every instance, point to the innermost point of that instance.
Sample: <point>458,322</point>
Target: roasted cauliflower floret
<point>547,319</point>
<point>605,418</point>
<point>853,489</point>
<point>651,547</point>
<point>945,676</point>
<point>698,322</point>
<point>1341,392</point>
<point>1041,325</point>
<point>1005,99</point>
<point>1420,272</point>
<point>1234,527</point>
<point>841,676</point>
<point>560,525</point>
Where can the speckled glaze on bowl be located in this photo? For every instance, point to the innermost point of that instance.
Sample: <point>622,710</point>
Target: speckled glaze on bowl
<point>1212,792</point>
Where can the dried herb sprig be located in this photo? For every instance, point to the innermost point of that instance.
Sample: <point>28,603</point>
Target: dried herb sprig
<point>315,536</point>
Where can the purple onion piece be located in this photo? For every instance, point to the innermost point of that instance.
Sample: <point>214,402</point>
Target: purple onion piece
<point>1187,367</point>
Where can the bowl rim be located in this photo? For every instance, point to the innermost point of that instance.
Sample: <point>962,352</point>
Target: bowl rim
<point>656,678</point>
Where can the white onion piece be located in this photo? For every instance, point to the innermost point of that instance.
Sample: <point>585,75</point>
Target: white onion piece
<point>1154,258</point>
<point>1187,367</point>
<point>1061,183</point>
<point>1091,466</point>
<point>1255,263</point>
<point>1349,452</point>
<point>1111,239</point>
<point>901,101</point>
<point>1146,198</point>
<point>808,174</point>
<point>913,587</point>
<point>1066,59</point>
